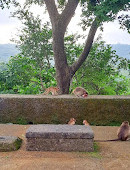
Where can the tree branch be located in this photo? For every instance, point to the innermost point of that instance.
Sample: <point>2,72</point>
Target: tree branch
<point>52,10</point>
<point>75,66</point>
<point>68,12</point>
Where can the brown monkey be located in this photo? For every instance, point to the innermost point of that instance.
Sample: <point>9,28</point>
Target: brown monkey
<point>72,121</point>
<point>122,133</point>
<point>52,90</point>
<point>80,92</point>
<point>85,123</point>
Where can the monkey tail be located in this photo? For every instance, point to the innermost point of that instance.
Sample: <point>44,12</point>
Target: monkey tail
<point>107,140</point>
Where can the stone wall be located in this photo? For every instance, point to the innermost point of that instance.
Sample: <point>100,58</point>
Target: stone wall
<point>98,110</point>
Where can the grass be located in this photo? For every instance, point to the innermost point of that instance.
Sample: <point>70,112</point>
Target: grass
<point>21,121</point>
<point>94,154</point>
<point>112,123</point>
<point>55,120</point>
<point>18,143</point>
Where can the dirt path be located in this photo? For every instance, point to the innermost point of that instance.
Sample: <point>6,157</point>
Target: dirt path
<point>112,156</point>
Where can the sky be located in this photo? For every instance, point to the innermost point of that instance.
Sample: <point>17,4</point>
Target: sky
<point>9,27</point>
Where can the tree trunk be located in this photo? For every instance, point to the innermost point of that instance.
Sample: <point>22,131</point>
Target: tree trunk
<point>63,74</point>
<point>59,25</point>
<point>63,80</point>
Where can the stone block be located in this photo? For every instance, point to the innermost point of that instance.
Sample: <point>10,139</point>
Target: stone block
<point>59,138</point>
<point>9,143</point>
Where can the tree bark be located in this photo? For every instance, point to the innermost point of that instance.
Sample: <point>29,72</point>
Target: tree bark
<point>87,48</point>
<point>62,68</point>
<point>64,73</point>
<point>59,25</point>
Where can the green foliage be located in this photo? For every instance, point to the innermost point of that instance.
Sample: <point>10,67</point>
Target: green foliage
<point>31,71</point>
<point>101,72</point>
<point>95,154</point>
<point>18,143</point>
<point>104,11</point>
<point>21,121</point>
<point>21,75</point>
<point>72,49</point>
<point>6,3</point>
<point>35,39</point>
<point>124,21</point>
<point>18,72</point>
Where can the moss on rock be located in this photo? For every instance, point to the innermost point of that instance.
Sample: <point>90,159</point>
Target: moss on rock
<point>9,143</point>
<point>98,110</point>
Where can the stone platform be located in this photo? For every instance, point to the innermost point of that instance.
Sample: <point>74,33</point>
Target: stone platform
<point>48,137</point>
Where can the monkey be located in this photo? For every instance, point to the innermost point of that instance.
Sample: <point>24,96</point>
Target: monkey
<point>122,133</point>
<point>52,90</point>
<point>85,123</point>
<point>80,92</point>
<point>85,95</point>
<point>72,121</point>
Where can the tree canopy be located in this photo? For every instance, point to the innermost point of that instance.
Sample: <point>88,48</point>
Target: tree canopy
<point>31,71</point>
<point>94,13</point>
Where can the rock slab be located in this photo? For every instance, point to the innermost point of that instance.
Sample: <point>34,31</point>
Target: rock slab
<point>59,138</point>
<point>9,143</point>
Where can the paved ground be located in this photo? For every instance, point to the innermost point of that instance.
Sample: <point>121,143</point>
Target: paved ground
<point>112,155</point>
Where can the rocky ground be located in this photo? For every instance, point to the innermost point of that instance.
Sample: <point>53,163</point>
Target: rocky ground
<point>111,155</point>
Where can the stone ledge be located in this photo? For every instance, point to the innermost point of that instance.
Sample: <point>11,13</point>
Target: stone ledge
<point>4,96</point>
<point>98,110</point>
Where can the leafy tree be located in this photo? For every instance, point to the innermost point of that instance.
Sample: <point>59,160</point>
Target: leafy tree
<point>6,3</point>
<point>124,21</point>
<point>31,71</point>
<point>94,14</point>
<point>35,44</point>
<point>35,38</point>
<point>21,75</point>
<point>101,72</point>
<point>15,74</point>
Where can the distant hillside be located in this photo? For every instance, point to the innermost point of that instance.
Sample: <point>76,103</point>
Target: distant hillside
<point>7,50</point>
<point>122,50</point>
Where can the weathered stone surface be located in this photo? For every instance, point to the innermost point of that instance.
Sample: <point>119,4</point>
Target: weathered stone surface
<point>9,143</point>
<point>66,145</point>
<point>59,138</point>
<point>60,132</point>
<point>41,109</point>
